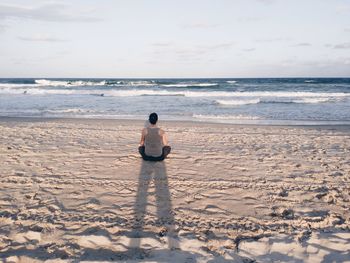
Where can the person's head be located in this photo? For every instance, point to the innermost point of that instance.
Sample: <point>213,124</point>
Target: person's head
<point>153,118</point>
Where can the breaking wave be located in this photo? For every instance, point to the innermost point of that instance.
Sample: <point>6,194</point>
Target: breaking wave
<point>185,85</point>
<point>237,102</point>
<point>256,101</point>
<point>312,100</point>
<point>65,83</point>
<point>256,97</point>
<point>225,117</point>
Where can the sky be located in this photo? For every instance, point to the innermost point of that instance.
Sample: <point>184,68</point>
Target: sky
<point>174,38</point>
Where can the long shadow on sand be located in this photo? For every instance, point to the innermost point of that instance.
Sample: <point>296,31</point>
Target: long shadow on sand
<point>154,172</point>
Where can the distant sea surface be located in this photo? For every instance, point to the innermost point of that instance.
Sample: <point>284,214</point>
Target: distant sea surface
<point>305,101</point>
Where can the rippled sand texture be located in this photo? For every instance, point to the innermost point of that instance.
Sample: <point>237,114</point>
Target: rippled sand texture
<point>77,190</point>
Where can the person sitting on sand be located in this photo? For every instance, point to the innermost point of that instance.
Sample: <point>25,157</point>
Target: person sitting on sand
<point>154,144</point>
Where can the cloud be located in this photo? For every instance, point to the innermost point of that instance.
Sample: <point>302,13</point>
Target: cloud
<point>326,63</point>
<point>42,38</point>
<point>275,39</point>
<point>347,29</point>
<point>302,44</point>
<point>302,67</point>
<point>49,12</point>
<point>266,2</point>
<point>344,9</point>
<point>39,58</point>
<point>161,44</point>
<point>339,46</point>
<point>224,45</point>
<point>189,52</point>
<point>2,28</point>
<point>202,48</point>
<point>342,46</point>
<point>248,49</point>
<point>250,19</point>
<point>199,26</point>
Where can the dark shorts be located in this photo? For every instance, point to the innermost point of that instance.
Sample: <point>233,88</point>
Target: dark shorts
<point>165,152</point>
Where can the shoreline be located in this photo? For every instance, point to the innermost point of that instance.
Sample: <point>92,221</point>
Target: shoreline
<point>177,122</point>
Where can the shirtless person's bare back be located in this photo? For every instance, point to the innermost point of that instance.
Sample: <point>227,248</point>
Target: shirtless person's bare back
<point>154,143</point>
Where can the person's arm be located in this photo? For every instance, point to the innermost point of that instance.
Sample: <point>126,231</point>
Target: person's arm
<point>143,134</point>
<point>164,137</point>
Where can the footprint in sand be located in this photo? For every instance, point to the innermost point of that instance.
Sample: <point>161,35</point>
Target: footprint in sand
<point>213,209</point>
<point>53,208</point>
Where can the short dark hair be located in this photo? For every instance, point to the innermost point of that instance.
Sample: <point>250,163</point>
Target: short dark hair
<point>153,118</point>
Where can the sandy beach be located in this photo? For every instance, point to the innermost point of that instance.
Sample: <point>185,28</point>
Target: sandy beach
<point>77,190</point>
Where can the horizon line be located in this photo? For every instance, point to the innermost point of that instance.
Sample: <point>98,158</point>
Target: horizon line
<point>314,77</point>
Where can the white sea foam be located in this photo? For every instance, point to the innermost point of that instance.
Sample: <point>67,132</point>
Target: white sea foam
<point>138,83</point>
<point>55,83</point>
<point>258,94</point>
<point>184,85</point>
<point>38,91</point>
<point>237,102</point>
<point>232,81</point>
<point>225,117</point>
<point>13,85</point>
<point>112,93</point>
<point>143,92</point>
<point>71,110</point>
<point>277,100</point>
<point>73,83</point>
<point>264,96</point>
<point>312,100</point>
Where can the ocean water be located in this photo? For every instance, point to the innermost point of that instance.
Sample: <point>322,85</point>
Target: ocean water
<point>305,101</point>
